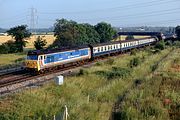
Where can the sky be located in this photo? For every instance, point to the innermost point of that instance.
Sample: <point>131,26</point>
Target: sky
<point>119,13</point>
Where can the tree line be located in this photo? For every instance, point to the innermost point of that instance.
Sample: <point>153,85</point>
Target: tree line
<point>68,33</point>
<point>71,33</point>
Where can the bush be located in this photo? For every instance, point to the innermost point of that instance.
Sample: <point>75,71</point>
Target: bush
<point>40,43</point>
<point>169,43</point>
<point>154,67</point>
<point>116,72</point>
<point>133,52</point>
<point>8,47</point>
<point>177,44</point>
<point>156,51</point>
<point>4,49</point>
<point>135,62</point>
<point>160,45</point>
<point>82,72</point>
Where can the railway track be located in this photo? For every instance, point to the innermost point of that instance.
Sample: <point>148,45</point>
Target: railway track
<point>12,82</point>
<point>13,79</point>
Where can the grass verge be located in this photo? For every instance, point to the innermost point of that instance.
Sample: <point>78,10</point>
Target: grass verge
<point>88,95</point>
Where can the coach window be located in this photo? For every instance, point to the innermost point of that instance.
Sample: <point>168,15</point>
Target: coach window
<point>94,50</point>
<point>105,48</point>
<point>98,49</point>
<point>101,49</point>
<point>114,46</point>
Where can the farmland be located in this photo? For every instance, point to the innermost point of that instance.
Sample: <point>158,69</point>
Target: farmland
<point>10,60</point>
<point>110,88</point>
<point>49,38</point>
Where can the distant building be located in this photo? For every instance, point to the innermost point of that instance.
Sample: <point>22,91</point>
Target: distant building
<point>140,29</point>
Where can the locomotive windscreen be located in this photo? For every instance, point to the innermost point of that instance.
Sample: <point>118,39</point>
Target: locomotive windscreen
<point>32,57</point>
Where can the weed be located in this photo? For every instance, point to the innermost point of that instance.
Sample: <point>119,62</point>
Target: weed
<point>110,61</point>
<point>135,62</point>
<point>98,64</point>
<point>168,43</point>
<point>177,44</point>
<point>160,45</point>
<point>137,82</point>
<point>19,60</point>
<point>116,72</point>
<point>82,72</point>
<point>133,52</point>
<point>154,67</point>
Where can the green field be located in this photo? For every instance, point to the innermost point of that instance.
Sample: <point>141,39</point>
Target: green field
<point>10,60</point>
<point>92,93</point>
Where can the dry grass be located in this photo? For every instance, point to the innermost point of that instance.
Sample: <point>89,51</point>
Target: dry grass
<point>49,38</point>
<point>4,39</point>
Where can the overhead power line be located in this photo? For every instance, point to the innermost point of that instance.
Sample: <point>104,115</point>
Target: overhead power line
<point>137,5</point>
<point>144,14</point>
<point>16,16</point>
<point>128,16</point>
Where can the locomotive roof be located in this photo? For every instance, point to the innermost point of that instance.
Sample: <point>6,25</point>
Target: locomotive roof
<point>48,51</point>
